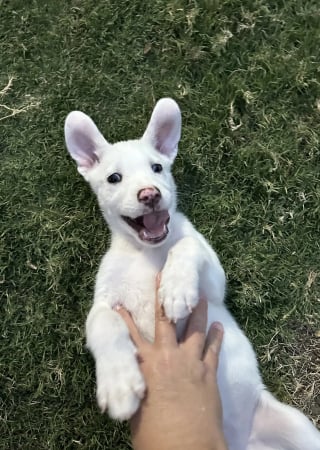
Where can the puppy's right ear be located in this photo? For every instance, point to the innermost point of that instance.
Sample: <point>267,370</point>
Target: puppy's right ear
<point>84,141</point>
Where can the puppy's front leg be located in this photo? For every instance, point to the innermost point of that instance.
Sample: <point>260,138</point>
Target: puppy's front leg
<point>120,384</point>
<point>188,261</point>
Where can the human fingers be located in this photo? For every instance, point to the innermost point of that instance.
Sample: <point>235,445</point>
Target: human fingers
<point>133,330</point>
<point>195,337</point>
<point>213,346</point>
<point>165,331</point>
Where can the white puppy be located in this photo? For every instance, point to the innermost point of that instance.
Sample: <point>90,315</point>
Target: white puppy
<point>136,193</point>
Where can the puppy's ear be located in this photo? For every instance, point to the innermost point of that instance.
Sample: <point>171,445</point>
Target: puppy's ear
<point>84,141</point>
<point>164,128</point>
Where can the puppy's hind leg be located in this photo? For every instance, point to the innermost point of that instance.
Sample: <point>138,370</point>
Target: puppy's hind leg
<point>277,426</point>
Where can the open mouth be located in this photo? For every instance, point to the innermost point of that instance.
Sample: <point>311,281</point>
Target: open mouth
<point>150,227</point>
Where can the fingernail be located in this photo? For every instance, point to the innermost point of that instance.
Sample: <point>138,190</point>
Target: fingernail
<point>117,306</point>
<point>217,326</point>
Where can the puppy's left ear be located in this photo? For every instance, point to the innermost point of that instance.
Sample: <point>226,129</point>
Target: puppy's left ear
<point>164,129</point>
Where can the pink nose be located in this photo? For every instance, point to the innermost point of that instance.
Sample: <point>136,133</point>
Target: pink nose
<point>149,196</point>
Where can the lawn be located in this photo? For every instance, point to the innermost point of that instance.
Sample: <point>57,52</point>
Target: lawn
<point>246,75</point>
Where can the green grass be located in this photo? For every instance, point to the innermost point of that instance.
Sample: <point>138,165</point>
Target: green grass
<point>246,75</point>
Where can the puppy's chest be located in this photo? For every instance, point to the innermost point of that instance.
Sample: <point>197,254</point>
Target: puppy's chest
<point>131,281</point>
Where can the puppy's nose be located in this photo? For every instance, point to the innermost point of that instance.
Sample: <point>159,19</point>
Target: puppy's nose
<point>149,196</point>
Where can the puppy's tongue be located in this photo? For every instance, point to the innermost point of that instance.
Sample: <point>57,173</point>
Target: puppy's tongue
<point>155,224</point>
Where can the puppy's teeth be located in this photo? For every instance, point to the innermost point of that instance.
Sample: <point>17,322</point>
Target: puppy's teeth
<point>144,234</point>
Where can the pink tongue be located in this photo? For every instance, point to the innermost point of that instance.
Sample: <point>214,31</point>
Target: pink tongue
<point>155,220</point>
<point>155,223</point>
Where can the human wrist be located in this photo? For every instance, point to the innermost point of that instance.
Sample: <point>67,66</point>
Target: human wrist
<point>176,435</point>
<point>166,443</point>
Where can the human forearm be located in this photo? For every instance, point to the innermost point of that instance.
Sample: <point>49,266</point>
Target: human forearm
<point>182,408</point>
<point>176,441</point>
<point>177,436</point>
<point>176,426</point>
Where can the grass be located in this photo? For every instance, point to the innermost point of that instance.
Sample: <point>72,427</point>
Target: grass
<point>246,75</point>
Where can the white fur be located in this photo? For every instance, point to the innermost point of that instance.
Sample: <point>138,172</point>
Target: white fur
<point>253,419</point>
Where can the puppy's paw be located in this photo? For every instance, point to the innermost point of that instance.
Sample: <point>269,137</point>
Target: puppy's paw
<point>120,385</point>
<point>179,290</point>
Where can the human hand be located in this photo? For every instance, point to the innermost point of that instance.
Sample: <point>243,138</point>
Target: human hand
<point>182,408</point>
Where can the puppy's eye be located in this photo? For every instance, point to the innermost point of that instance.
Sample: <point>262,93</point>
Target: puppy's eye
<point>157,168</point>
<point>114,178</point>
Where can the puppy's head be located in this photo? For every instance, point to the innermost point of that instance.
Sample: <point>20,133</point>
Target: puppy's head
<point>131,179</point>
